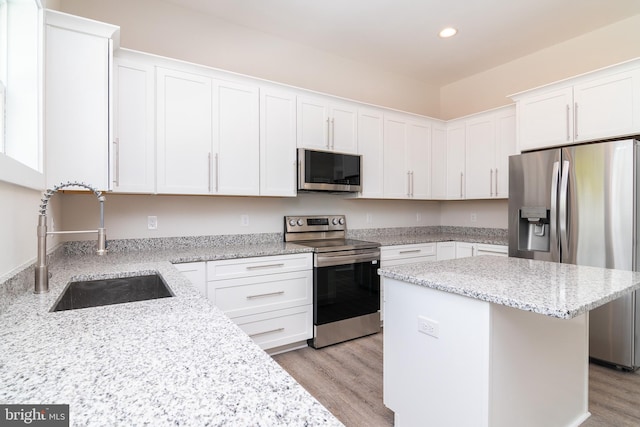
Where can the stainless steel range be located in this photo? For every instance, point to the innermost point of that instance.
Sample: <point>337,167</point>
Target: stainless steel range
<point>346,285</point>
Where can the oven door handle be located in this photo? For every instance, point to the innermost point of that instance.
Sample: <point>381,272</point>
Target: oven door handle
<point>329,261</point>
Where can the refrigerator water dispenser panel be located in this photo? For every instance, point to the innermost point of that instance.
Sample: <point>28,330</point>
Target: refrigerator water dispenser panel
<point>533,229</point>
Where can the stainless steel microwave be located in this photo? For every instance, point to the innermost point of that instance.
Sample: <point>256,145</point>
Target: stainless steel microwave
<point>328,171</point>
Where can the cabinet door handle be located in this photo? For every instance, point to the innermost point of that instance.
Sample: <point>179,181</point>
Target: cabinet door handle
<point>328,133</point>
<point>270,294</point>
<point>496,182</point>
<point>333,133</point>
<point>116,144</point>
<point>408,183</point>
<point>259,267</point>
<point>413,251</point>
<point>461,183</point>
<point>491,182</point>
<point>266,332</point>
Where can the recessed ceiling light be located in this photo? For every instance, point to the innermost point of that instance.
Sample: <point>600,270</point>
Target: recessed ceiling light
<point>448,32</point>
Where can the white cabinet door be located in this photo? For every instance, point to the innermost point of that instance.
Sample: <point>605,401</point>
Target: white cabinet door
<point>445,250</point>
<point>196,272</point>
<point>313,124</point>
<point>480,157</point>
<point>418,159</point>
<point>371,148</point>
<point>236,139</point>
<point>546,120</point>
<point>325,125</point>
<point>344,128</point>
<point>506,145</point>
<point>607,107</point>
<point>455,160</point>
<point>439,162</point>
<point>396,175</point>
<point>77,74</point>
<point>464,250</point>
<point>133,155</point>
<point>277,143</point>
<point>184,132</point>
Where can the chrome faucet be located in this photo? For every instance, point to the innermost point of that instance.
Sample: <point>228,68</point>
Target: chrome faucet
<point>42,268</point>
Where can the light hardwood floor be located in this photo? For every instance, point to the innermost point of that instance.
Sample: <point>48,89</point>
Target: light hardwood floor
<point>347,379</point>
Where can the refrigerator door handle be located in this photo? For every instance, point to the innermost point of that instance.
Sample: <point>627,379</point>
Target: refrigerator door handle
<point>555,177</point>
<point>564,186</point>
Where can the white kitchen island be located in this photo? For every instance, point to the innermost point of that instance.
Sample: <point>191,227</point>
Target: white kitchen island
<point>491,341</point>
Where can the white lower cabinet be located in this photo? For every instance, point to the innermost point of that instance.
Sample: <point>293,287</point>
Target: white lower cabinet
<point>391,256</point>
<point>196,272</point>
<point>445,250</point>
<point>270,298</point>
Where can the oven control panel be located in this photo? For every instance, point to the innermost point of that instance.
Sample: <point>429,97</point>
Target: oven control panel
<point>295,224</point>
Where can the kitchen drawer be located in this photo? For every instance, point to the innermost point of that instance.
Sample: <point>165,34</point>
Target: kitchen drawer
<point>388,253</point>
<point>409,260</point>
<point>247,267</point>
<point>278,328</point>
<point>495,250</point>
<point>258,294</point>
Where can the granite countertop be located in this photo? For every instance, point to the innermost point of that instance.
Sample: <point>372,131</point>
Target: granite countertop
<point>169,361</point>
<point>177,361</point>
<point>552,289</point>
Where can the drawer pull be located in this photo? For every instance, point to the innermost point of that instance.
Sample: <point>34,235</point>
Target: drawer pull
<point>257,334</point>
<point>413,251</point>
<point>258,267</point>
<point>271,294</point>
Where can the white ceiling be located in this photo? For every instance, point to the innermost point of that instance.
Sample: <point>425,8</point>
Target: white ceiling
<point>401,35</point>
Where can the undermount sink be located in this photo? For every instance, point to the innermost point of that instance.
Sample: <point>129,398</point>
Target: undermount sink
<point>94,293</point>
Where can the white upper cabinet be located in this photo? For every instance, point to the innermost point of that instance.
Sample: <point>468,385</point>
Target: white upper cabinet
<point>207,135</point>
<point>133,154</point>
<point>277,143</point>
<point>371,148</point>
<point>439,161</point>
<point>407,157</point>
<point>184,132</point>
<point>599,105</point>
<point>327,125</point>
<point>77,80</point>
<point>480,147</point>
<point>490,140</point>
<point>236,139</point>
<point>456,142</point>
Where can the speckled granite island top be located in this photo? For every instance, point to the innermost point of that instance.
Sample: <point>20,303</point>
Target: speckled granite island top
<point>169,361</point>
<point>553,289</point>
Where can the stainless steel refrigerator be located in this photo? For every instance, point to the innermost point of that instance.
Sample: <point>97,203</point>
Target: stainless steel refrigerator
<point>578,205</point>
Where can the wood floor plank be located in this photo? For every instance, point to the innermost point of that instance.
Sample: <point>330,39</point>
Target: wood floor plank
<point>347,379</point>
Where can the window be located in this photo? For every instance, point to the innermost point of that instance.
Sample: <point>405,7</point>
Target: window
<point>21,59</point>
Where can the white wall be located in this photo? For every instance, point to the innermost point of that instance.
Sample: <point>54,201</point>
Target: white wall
<point>488,213</point>
<point>163,28</point>
<point>126,215</point>
<point>606,46</point>
<point>18,222</point>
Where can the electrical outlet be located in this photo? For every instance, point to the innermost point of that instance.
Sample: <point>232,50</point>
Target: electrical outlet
<point>428,326</point>
<point>369,218</point>
<point>152,222</point>
<point>474,217</point>
<point>418,217</point>
<point>244,220</point>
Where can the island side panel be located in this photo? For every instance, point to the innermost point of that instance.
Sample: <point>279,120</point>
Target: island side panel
<point>539,369</point>
<point>429,380</point>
